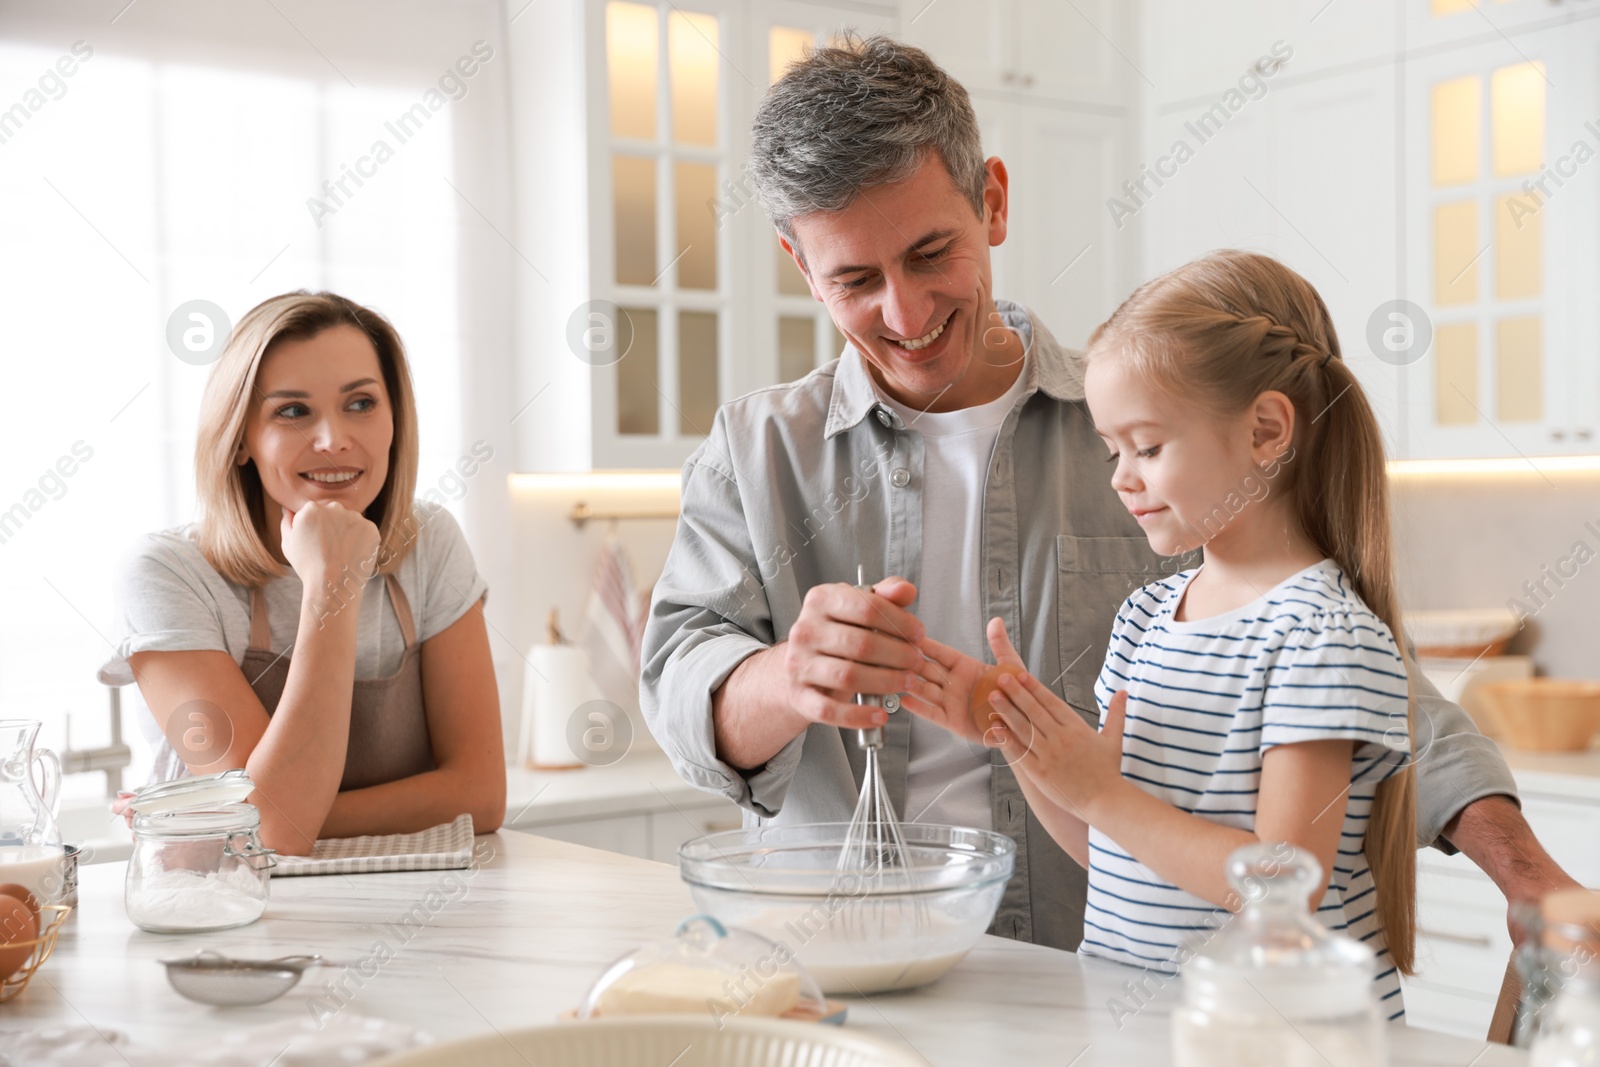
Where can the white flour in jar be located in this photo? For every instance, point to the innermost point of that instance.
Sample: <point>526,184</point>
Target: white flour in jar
<point>189,900</point>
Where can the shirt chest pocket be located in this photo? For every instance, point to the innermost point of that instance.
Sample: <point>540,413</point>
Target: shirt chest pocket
<point>1094,575</point>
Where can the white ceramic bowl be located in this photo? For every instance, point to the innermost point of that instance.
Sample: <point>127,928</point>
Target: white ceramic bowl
<point>658,1040</point>
<point>855,936</point>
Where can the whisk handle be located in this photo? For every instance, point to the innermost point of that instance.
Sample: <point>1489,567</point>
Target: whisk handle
<point>870,738</point>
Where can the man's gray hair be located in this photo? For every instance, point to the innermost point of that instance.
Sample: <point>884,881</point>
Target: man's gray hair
<point>856,114</point>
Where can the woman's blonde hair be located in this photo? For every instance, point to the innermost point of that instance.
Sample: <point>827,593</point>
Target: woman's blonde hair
<point>232,501</point>
<point>1223,330</point>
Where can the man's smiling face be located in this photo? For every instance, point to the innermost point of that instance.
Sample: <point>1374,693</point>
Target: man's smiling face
<point>904,270</point>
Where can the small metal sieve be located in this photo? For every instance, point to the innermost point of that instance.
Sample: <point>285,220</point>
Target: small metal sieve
<point>212,978</point>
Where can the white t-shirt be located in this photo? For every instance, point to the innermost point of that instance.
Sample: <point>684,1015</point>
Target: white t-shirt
<point>947,779</point>
<point>169,599</point>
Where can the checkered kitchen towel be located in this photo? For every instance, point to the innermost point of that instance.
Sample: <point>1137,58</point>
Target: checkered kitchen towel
<point>447,846</point>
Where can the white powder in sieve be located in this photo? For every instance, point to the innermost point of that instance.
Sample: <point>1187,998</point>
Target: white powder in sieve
<point>189,900</point>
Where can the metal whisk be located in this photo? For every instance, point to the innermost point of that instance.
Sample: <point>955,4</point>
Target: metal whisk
<point>874,851</point>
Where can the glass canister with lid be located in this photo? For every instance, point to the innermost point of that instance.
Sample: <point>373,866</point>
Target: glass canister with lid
<point>198,863</point>
<point>1275,988</point>
<point>1568,1027</point>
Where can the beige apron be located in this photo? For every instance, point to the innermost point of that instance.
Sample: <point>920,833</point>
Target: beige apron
<point>388,725</point>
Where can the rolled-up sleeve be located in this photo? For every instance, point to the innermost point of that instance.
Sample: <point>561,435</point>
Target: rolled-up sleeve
<point>708,613</point>
<point>1456,764</point>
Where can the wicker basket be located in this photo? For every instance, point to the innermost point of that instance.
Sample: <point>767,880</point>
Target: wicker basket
<point>1545,714</point>
<point>51,916</point>
<point>1461,634</point>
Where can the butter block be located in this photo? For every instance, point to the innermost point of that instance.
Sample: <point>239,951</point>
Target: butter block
<point>671,988</point>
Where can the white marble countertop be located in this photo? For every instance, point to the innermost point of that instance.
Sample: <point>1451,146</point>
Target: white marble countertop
<point>528,932</point>
<point>1574,775</point>
<point>642,781</point>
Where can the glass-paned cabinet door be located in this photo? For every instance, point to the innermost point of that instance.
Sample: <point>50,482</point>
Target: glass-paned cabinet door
<point>1435,23</point>
<point>797,327</point>
<point>1491,240</point>
<point>660,146</point>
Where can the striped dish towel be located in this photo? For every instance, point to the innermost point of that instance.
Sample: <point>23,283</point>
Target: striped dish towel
<point>447,846</point>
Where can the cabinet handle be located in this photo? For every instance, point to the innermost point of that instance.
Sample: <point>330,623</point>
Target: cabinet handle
<point>1558,435</point>
<point>1475,940</point>
<point>1583,434</point>
<point>1027,81</point>
<point>1008,76</point>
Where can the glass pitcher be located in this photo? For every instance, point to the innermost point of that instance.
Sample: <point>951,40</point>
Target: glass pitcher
<point>28,797</point>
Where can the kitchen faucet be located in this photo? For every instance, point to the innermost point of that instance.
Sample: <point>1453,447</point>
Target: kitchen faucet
<point>110,758</point>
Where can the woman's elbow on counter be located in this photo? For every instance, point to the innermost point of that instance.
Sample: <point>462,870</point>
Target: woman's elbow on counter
<point>489,809</point>
<point>284,839</point>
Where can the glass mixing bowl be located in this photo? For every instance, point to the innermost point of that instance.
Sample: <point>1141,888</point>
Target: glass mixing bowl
<point>856,933</point>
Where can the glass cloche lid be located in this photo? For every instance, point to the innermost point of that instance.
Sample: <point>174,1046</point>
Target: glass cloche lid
<point>707,967</point>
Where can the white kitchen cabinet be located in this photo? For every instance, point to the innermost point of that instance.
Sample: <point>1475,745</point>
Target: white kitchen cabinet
<point>1463,944</point>
<point>1192,53</point>
<point>637,806</point>
<point>670,830</point>
<point>650,835</point>
<point>1052,88</point>
<point>652,292</point>
<point>1504,269</point>
<point>1333,170</point>
<point>1337,212</point>
<point>1430,24</point>
<point>627,834</point>
<point>1030,49</point>
<point>1083,51</point>
<point>974,40</point>
<point>1304,172</point>
<point>1063,256</point>
<point>795,331</point>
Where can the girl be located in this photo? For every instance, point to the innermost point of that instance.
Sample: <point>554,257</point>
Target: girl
<point>1262,695</point>
<point>316,626</point>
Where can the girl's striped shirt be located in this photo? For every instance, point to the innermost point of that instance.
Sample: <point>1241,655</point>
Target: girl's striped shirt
<point>1206,699</point>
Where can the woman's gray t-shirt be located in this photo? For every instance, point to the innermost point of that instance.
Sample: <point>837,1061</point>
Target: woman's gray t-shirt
<point>169,599</point>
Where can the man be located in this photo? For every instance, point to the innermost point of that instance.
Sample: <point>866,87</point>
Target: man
<point>950,449</point>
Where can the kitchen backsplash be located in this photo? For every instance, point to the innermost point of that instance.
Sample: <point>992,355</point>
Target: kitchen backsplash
<point>1462,541</point>
<point>1527,541</point>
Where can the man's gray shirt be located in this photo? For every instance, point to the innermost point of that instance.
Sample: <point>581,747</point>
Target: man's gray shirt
<point>799,483</point>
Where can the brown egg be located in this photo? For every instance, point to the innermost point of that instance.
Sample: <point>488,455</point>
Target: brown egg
<point>22,893</point>
<point>979,704</point>
<point>17,924</point>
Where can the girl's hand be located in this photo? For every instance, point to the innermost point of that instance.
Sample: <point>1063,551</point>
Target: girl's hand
<point>952,681</point>
<point>327,542</point>
<point>1041,736</point>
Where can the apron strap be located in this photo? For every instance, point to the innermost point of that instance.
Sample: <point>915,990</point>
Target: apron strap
<point>402,609</point>
<point>260,629</point>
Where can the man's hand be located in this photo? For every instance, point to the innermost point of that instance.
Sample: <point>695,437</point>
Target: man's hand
<point>953,681</point>
<point>844,642</point>
<point>847,641</point>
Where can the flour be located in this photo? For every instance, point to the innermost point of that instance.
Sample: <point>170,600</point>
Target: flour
<point>181,901</point>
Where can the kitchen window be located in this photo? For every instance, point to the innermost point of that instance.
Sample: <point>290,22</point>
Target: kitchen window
<point>168,169</point>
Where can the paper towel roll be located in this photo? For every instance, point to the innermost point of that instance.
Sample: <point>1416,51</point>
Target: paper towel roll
<point>555,683</point>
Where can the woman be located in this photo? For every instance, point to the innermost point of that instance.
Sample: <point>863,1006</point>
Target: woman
<point>316,627</point>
